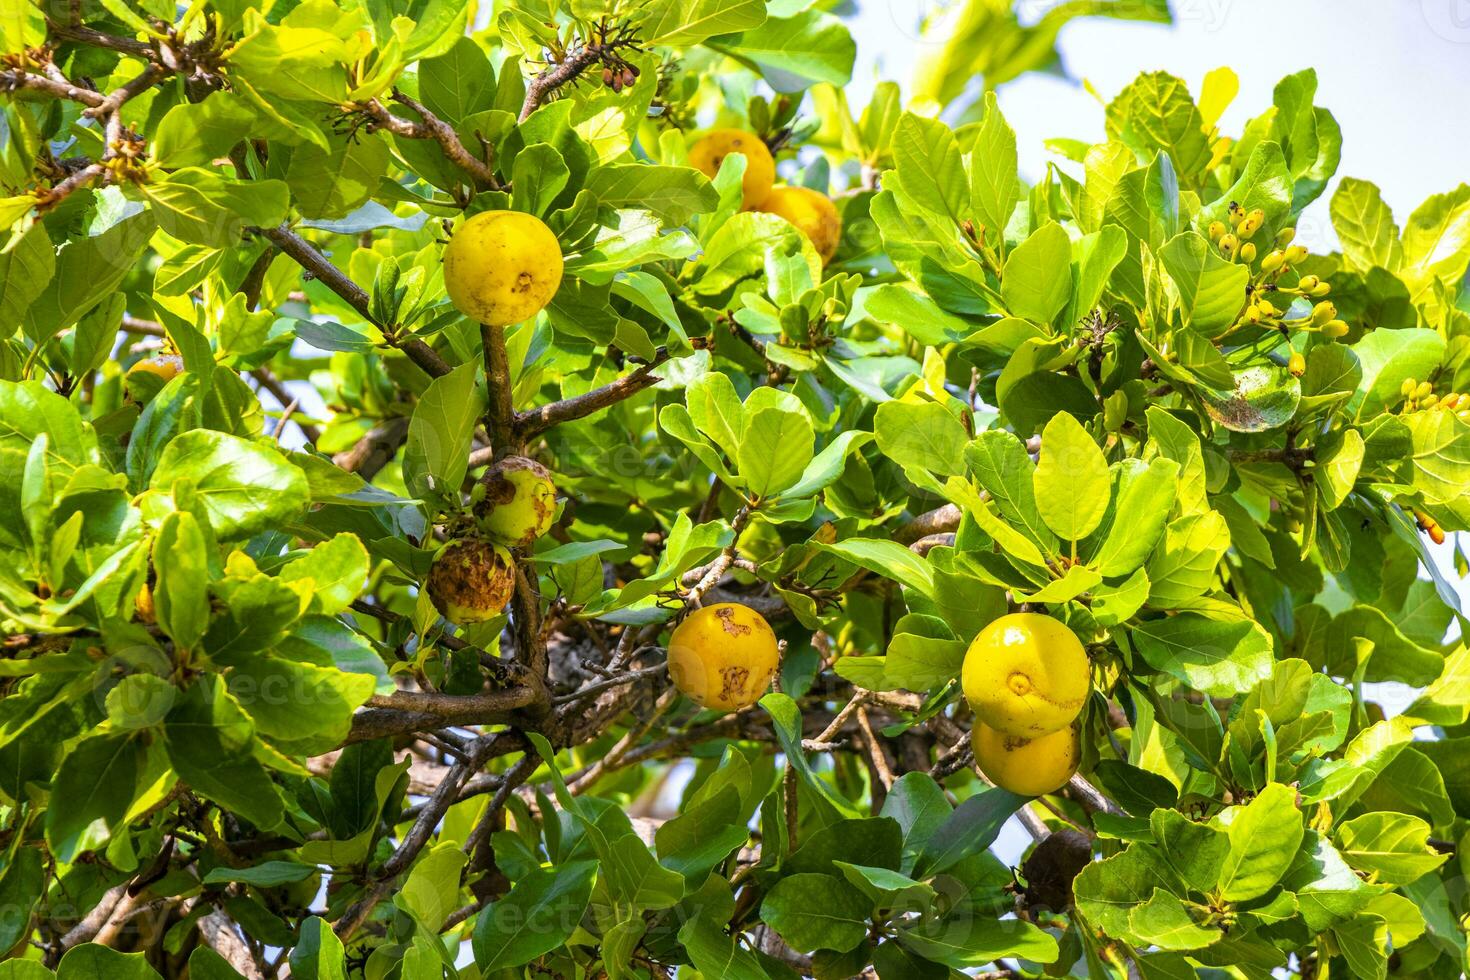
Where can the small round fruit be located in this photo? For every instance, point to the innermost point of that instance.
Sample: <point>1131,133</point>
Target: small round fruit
<point>502,267</point>
<point>165,367</point>
<point>710,150</point>
<point>813,214</point>
<point>1026,674</point>
<point>470,581</point>
<point>723,656</point>
<point>1026,766</point>
<point>515,502</point>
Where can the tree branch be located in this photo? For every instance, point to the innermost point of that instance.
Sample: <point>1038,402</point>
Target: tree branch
<point>431,128</point>
<point>530,424</point>
<point>321,268</point>
<point>500,415</point>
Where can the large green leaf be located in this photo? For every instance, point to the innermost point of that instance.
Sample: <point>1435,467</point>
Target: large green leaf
<point>245,487</point>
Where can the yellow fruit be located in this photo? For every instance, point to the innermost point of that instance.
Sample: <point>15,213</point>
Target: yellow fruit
<point>811,212</point>
<point>470,581</point>
<point>143,604</point>
<point>723,656</point>
<point>165,366</point>
<point>1028,767</point>
<point>515,501</point>
<point>502,267</point>
<point>710,151</point>
<point>1026,675</point>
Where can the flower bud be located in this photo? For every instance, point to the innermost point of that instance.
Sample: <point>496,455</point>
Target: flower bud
<point>1322,289</point>
<point>1334,329</point>
<point>1407,388</point>
<point>1248,252</point>
<point>1297,365</point>
<point>1308,283</point>
<point>1284,237</point>
<point>1423,390</point>
<point>1296,253</point>
<point>1429,401</point>
<point>1273,261</point>
<point>1217,228</point>
<point>1323,312</point>
<point>1228,243</point>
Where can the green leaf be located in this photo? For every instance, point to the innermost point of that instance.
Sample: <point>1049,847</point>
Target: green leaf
<point>431,891</point>
<point>965,939</point>
<point>90,961</point>
<point>458,83</point>
<point>687,22</point>
<point>206,964</point>
<point>1392,847</point>
<point>245,487</point>
<point>775,449</point>
<point>791,53</point>
<point>887,558</point>
<point>1037,280</point>
<point>1164,922</point>
<point>995,185</point>
<point>181,592</point>
<point>1262,399</point>
<point>970,829</point>
<point>200,206</point>
<point>21,886</point>
<point>96,782</point>
<point>537,916</point>
<point>1211,290</point>
<point>1436,240</point>
<point>928,166</point>
<point>816,911</point>
<point>922,434</point>
<point>1156,114</point>
<point>673,193</point>
<point>267,874</point>
<point>1209,655</point>
<point>440,432</point>
<point>319,954</point>
<point>1365,226</point>
<point>919,805</point>
<point>1388,357</point>
<point>1143,498</point>
<point>210,741</point>
<point>1071,479</point>
<point>1264,835</point>
<point>332,183</point>
<point>336,569</point>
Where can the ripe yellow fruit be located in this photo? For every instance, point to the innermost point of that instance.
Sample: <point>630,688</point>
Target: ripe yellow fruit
<point>1026,674</point>
<point>470,581</point>
<point>710,150</point>
<point>515,501</point>
<point>723,656</point>
<point>811,212</point>
<point>502,267</point>
<point>165,367</point>
<point>1026,766</point>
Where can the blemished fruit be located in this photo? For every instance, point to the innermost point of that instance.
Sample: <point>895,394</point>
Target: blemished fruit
<point>723,656</point>
<point>1026,674</point>
<point>502,267</point>
<point>1026,766</point>
<point>515,501</point>
<point>811,212</point>
<point>710,150</point>
<point>470,581</point>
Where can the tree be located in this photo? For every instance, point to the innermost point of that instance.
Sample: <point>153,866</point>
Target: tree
<point>340,625</point>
